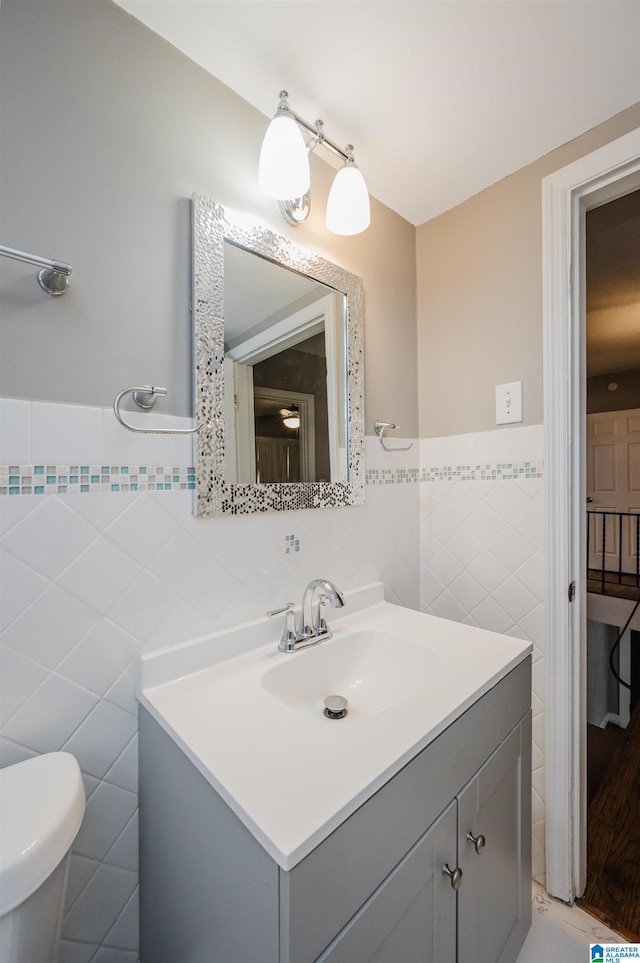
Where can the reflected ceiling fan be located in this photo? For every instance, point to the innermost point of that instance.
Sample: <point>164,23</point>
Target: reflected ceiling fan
<point>290,417</point>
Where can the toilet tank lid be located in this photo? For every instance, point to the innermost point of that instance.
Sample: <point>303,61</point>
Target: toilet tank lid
<point>41,808</point>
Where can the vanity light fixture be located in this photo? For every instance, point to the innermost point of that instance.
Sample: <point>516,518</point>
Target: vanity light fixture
<point>348,203</point>
<point>284,160</point>
<point>284,173</point>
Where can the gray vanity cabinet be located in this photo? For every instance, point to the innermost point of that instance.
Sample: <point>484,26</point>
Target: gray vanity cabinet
<point>494,910</point>
<point>485,835</point>
<point>412,916</point>
<point>374,890</point>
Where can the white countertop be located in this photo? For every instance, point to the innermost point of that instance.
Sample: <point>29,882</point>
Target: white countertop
<point>291,775</point>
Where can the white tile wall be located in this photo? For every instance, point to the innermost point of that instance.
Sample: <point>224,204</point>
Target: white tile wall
<point>92,580</point>
<point>481,560</point>
<point>15,431</point>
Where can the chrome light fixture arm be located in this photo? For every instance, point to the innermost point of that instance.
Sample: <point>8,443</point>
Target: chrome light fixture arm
<point>319,136</point>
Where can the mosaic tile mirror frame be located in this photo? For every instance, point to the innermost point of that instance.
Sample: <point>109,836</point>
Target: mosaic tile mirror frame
<point>215,226</point>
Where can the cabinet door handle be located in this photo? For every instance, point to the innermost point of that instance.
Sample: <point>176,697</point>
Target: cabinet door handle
<point>455,875</point>
<point>478,841</point>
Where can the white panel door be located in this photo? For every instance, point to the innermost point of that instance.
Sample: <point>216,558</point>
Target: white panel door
<point>613,484</point>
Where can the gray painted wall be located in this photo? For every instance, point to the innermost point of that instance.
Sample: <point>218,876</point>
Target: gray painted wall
<point>480,295</point>
<point>107,130</point>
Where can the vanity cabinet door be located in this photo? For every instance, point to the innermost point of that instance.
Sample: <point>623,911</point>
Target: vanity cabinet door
<point>494,900</point>
<point>411,917</point>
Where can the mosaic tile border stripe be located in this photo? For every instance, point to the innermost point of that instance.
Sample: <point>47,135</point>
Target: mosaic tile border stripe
<point>80,479</point>
<point>503,471</point>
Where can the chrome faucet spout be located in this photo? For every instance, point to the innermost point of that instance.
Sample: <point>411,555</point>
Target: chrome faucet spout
<point>309,626</point>
<point>309,630</point>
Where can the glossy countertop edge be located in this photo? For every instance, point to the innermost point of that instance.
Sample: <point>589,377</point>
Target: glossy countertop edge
<point>287,855</point>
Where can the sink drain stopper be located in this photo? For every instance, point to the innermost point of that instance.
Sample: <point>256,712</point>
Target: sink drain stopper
<point>335,707</point>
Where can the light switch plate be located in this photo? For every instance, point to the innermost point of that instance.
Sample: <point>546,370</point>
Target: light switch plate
<point>509,403</point>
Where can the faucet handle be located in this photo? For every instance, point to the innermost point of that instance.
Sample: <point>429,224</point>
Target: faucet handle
<point>321,622</point>
<point>289,635</point>
<point>287,607</point>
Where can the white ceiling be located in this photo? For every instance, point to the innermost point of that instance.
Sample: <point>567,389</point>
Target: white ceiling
<point>441,98</point>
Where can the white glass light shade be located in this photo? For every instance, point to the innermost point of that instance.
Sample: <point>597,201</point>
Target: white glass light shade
<point>348,209</point>
<point>284,163</point>
<point>290,418</point>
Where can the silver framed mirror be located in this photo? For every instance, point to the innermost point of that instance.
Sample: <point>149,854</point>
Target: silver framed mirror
<point>278,359</point>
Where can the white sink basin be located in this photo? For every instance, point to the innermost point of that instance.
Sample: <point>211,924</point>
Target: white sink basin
<point>373,670</point>
<point>250,718</point>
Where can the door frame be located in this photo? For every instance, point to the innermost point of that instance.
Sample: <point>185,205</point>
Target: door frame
<point>567,194</point>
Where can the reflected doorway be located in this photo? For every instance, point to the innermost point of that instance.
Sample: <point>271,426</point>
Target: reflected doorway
<point>284,436</point>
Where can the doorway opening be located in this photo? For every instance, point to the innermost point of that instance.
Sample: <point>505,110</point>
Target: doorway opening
<point>604,175</point>
<point>612,444</point>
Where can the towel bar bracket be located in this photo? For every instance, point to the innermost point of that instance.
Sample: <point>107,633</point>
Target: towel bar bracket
<point>54,276</point>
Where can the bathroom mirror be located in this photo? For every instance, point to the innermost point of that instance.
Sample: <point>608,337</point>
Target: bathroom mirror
<point>278,370</point>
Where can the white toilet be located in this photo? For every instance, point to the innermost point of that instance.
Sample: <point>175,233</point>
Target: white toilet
<point>41,808</point>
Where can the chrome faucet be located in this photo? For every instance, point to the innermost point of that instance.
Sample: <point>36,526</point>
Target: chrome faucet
<point>309,629</point>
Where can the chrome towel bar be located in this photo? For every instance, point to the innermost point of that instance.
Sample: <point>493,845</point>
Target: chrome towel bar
<point>54,276</point>
<point>145,397</point>
<point>380,427</point>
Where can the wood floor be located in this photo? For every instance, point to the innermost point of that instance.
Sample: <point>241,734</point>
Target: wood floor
<point>601,746</point>
<point>623,586</point>
<point>613,832</point>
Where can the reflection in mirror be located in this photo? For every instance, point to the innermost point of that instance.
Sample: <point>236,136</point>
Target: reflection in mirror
<point>284,374</point>
<point>278,353</point>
